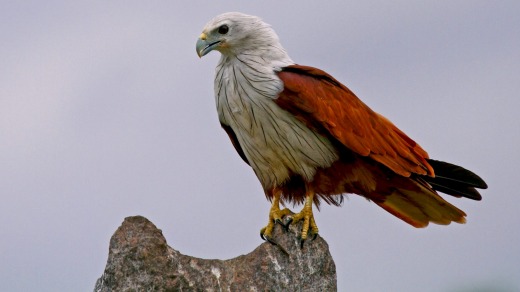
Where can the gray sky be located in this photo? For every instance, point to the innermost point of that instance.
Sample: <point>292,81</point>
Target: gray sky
<point>106,112</point>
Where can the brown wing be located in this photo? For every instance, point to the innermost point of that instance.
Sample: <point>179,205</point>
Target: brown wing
<point>324,104</point>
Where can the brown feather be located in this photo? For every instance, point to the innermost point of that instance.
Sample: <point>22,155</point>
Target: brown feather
<point>326,105</point>
<point>377,161</point>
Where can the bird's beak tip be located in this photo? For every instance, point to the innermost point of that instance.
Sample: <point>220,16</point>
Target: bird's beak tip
<point>201,45</point>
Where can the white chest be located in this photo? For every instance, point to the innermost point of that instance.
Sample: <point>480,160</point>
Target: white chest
<point>275,143</point>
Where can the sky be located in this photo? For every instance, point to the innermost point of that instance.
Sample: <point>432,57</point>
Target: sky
<point>107,112</point>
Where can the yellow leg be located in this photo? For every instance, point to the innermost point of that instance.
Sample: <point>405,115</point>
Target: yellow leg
<point>309,225</point>
<point>275,216</point>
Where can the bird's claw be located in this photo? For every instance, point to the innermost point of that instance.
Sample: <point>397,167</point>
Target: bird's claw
<point>285,225</point>
<point>266,237</point>
<point>302,241</point>
<point>309,228</point>
<point>275,216</point>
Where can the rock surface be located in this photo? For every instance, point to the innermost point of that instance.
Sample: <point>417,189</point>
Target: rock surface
<point>140,260</point>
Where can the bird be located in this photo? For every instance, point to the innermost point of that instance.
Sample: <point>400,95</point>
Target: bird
<point>309,139</point>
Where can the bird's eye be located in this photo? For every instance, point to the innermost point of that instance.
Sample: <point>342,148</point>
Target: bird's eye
<point>223,29</point>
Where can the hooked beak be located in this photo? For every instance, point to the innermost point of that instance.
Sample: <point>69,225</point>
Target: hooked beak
<point>203,46</point>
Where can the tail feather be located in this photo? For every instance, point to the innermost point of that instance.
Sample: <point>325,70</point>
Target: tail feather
<point>455,180</point>
<point>419,208</point>
<point>415,199</point>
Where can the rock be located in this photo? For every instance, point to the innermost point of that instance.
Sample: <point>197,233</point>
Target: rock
<point>140,260</point>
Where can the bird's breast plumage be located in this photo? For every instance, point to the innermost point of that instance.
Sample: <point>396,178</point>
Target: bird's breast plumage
<point>275,143</point>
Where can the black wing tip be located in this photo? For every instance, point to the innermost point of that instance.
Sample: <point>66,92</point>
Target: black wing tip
<point>457,191</point>
<point>455,180</point>
<point>457,173</point>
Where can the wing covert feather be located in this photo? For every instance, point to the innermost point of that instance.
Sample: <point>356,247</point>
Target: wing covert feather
<point>323,103</point>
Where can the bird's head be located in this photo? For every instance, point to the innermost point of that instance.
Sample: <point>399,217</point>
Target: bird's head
<point>233,33</point>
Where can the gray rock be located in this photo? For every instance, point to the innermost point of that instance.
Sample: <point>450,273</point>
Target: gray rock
<point>140,260</point>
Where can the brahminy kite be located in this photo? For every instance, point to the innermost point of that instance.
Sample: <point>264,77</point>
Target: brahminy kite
<point>308,138</point>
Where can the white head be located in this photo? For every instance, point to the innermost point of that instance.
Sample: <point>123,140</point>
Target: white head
<point>234,33</point>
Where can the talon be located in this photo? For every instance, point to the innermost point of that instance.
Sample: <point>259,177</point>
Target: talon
<point>265,233</point>
<point>309,228</point>
<point>286,225</point>
<point>275,216</point>
<point>268,239</point>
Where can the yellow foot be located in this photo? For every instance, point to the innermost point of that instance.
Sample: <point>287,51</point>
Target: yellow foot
<point>275,216</point>
<point>309,228</point>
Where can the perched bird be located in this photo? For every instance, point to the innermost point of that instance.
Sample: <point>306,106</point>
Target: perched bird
<point>308,138</point>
